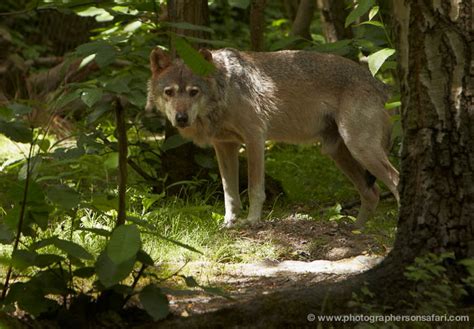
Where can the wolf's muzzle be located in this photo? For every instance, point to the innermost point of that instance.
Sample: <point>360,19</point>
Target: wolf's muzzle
<point>181,119</point>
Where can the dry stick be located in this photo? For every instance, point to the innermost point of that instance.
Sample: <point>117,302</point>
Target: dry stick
<point>122,150</point>
<point>20,221</point>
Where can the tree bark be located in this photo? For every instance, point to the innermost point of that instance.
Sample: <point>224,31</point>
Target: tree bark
<point>437,174</point>
<point>333,18</point>
<point>257,24</point>
<point>303,19</point>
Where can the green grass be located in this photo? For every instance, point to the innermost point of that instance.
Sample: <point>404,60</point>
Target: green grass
<point>309,179</point>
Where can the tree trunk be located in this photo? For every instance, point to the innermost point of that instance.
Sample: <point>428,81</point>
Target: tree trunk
<point>437,174</point>
<point>303,19</point>
<point>257,24</point>
<point>333,18</point>
<point>437,185</point>
<point>178,163</point>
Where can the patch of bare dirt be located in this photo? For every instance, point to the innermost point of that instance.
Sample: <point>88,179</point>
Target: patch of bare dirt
<point>307,239</point>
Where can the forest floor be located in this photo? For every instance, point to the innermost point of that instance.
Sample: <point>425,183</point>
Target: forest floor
<point>314,251</point>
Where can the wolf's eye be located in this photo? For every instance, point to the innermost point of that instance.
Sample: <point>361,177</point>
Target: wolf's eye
<point>169,92</point>
<point>193,92</point>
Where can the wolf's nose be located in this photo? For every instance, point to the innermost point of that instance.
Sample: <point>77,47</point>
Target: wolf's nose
<point>181,119</point>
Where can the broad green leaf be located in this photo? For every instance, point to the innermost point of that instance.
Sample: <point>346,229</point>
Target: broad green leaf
<point>374,23</point>
<point>173,142</point>
<point>20,109</point>
<point>144,258</point>
<point>91,96</point>
<point>111,160</point>
<point>39,213</point>
<point>376,59</point>
<point>86,60</point>
<point>124,243</point>
<point>6,234</point>
<point>104,202</point>
<point>373,11</point>
<point>5,113</point>
<point>205,161</point>
<point>98,112</point>
<point>154,302</point>
<point>84,272</point>
<point>63,196</point>
<point>31,299</point>
<point>49,283</point>
<point>43,144</point>
<point>110,273</point>
<point>68,97</point>
<point>22,259</point>
<point>392,105</point>
<point>192,58</point>
<point>72,249</point>
<point>361,8</point>
<point>44,260</point>
<point>16,131</point>
<point>118,85</point>
<point>341,47</point>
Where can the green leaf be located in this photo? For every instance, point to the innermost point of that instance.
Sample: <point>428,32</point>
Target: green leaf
<point>72,249</point>
<point>111,160</point>
<point>361,8</point>
<point>6,234</point>
<point>91,96</point>
<point>373,11</point>
<point>110,273</point>
<point>216,291</point>
<point>341,47</point>
<point>20,109</point>
<point>63,196</point>
<point>376,59</point>
<point>84,272</point>
<point>68,97</point>
<point>374,23</point>
<point>205,161</point>
<point>22,259</point>
<point>144,258</point>
<point>192,58</point>
<point>124,243</point>
<point>30,298</point>
<point>16,131</point>
<point>49,283</point>
<point>173,142</point>
<point>154,302</point>
<point>118,85</point>
<point>44,260</point>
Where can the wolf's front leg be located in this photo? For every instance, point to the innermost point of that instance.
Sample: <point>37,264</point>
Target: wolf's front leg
<point>228,159</point>
<point>256,178</point>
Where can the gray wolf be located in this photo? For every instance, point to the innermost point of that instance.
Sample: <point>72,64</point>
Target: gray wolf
<point>285,96</point>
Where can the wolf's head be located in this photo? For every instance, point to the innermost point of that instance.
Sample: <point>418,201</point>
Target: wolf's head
<point>175,90</point>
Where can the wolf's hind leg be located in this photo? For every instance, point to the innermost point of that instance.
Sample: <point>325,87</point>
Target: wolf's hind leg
<point>228,159</point>
<point>363,181</point>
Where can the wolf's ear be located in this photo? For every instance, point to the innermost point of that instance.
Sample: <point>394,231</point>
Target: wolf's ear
<point>206,54</point>
<point>159,60</point>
